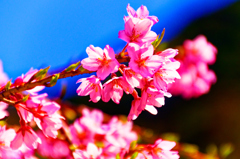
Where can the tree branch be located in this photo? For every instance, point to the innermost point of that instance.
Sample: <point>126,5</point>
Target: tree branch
<point>45,81</point>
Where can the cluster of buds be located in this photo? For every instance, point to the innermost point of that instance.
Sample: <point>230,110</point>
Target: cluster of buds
<point>148,70</point>
<point>196,78</point>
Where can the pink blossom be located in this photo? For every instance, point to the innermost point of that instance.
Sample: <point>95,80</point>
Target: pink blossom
<point>91,152</point>
<point>166,147</point>
<point>6,136</point>
<point>53,148</point>
<point>102,61</point>
<point>134,111</point>
<point>113,89</point>
<point>196,80</point>
<point>120,134</point>
<point>27,136</point>
<point>141,13</point>
<point>150,97</point>
<point>199,49</point>
<point>26,110</point>
<point>25,78</point>
<point>47,118</point>
<point>85,128</point>
<point>137,31</point>
<point>3,111</point>
<point>142,59</point>
<point>166,74</point>
<point>133,78</point>
<point>161,149</point>
<point>92,86</point>
<point>50,124</point>
<point>23,112</point>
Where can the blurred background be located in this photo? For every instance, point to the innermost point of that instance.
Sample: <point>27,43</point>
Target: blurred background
<point>56,33</point>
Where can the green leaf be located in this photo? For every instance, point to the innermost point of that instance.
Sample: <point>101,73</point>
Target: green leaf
<point>133,145</point>
<point>54,79</point>
<point>158,39</point>
<point>134,155</point>
<point>8,85</point>
<point>24,99</point>
<point>118,156</point>
<point>212,150</point>
<point>226,149</point>
<point>72,67</point>
<point>41,73</point>
<point>81,69</point>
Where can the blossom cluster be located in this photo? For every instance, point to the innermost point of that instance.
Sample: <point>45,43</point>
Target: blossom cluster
<point>148,71</point>
<point>139,70</point>
<point>30,107</point>
<point>89,137</point>
<point>196,78</point>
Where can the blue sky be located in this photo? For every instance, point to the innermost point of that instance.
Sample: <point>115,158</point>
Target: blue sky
<point>42,33</point>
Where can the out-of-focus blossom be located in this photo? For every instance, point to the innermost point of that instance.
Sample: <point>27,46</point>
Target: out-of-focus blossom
<point>50,124</point>
<point>92,86</point>
<point>91,152</point>
<point>196,80</point>
<point>102,61</point>
<point>53,148</point>
<point>6,136</point>
<point>85,128</point>
<point>199,49</point>
<point>196,77</point>
<point>160,150</point>
<point>112,137</point>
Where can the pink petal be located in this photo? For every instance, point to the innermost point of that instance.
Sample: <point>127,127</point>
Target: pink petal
<point>109,52</point>
<point>116,94</point>
<point>143,27</point>
<point>130,10</point>
<point>31,139</point>
<point>142,12</point>
<point>90,64</point>
<point>166,145</point>
<point>151,109</point>
<point>17,141</point>
<point>95,95</point>
<point>122,35</point>
<point>94,52</point>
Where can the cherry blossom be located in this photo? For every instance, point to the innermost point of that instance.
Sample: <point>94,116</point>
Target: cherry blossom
<point>142,59</point>
<point>102,61</point>
<point>141,13</point>
<point>113,89</point>
<point>137,31</point>
<point>27,136</point>
<point>92,86</point>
